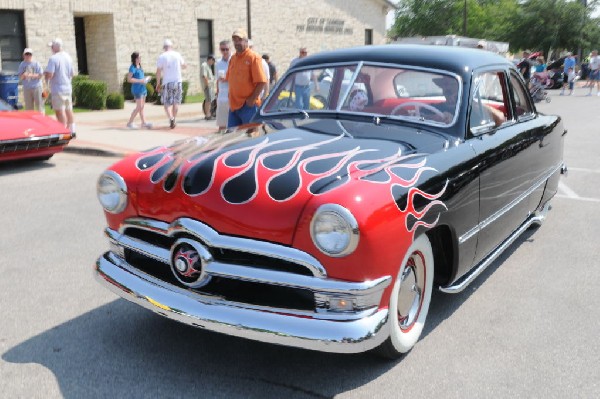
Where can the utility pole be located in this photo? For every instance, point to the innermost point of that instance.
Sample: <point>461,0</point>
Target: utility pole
<point>248,23</point>
<point>465,19</point>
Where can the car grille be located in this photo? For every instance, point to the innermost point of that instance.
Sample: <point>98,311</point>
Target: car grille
<point>244,272</point>
<point>31,144</point>
<point>230,288</point>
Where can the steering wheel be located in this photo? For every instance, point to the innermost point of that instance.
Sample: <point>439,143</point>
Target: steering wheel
<point>417,108</point>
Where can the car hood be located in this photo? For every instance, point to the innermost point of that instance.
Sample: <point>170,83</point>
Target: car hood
<point>18,125</point>
<point>257,184</point>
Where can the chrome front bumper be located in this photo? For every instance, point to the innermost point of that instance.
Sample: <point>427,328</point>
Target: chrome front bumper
<point>215,314</point>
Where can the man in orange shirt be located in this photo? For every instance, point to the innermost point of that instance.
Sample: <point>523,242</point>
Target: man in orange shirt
<point>246,80</point>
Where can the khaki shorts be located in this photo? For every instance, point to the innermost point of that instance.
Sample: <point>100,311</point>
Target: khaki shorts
<point>222,113</point>
<point>62,102</point>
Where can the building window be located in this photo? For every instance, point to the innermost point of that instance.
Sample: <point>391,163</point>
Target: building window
<point>12,40</point>
<point>368,36</point>
<point>205,38</point>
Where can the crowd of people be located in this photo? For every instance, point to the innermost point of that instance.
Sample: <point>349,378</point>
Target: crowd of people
<point>233,86</point>
<point>534,69</point>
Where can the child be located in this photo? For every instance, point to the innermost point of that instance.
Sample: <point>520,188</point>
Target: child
<point>570,81</point>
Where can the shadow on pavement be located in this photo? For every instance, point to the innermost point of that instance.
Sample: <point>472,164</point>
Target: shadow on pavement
<point>119,350</point>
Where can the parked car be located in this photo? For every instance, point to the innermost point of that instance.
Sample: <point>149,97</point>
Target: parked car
<point>328,229</point>
<point>29,135</point>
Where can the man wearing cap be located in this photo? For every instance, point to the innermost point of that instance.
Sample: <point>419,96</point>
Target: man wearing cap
<point>59,72</point>
<point>246,79</point>
<point>569,63</point>
<point>31,73</point>
<point>169,81</point>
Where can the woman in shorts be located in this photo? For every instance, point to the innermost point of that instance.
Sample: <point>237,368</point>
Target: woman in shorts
<point>138,89</point>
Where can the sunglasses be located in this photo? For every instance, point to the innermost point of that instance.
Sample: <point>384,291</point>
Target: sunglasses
<point>27,54</point>
<point>224,49</point>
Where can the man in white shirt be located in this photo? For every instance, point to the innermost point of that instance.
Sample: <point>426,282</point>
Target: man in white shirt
<point>169,81</point>
<point>265,66</point>
<point>59,74</point>
<point>594,65</point>
<point>302,83</point>
<point>222,85</point>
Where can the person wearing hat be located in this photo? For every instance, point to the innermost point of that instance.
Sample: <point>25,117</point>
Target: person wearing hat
<point>246,79</point>
<point>30,72</point>
<point>169,81</point>
<point>449,88</point>
<point>59,73</point>
<point>207,79</point>
<point>568,67</point>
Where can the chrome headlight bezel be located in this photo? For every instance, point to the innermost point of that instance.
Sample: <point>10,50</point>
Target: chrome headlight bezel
<point>109,185</point>
<point>343,218</point>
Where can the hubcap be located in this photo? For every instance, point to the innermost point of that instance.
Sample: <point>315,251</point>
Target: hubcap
<point>410,294</point>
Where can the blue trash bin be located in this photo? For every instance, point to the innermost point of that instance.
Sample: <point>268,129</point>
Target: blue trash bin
<point>9,88</point>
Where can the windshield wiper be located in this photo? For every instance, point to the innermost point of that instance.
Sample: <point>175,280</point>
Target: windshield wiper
<point>294,110</point>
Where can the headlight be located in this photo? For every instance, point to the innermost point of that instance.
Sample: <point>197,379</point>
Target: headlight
<point>334,230</point>
<point>112,192</point>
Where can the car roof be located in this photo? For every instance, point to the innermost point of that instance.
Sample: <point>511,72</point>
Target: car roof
<point>459,60</point>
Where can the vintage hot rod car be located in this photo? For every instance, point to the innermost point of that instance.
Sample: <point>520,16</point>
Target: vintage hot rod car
<point>29,135</point>
<point>328,228</point>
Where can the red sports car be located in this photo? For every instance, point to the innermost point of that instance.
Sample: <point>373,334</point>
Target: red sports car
<point>30,135</point>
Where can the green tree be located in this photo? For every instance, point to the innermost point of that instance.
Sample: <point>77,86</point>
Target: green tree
<point>426,18</point>
<point>550,24</point>
<point>533,24</point>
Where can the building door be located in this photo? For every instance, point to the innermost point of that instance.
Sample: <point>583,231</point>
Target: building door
<point>80,45</point>
<point>205,38</point>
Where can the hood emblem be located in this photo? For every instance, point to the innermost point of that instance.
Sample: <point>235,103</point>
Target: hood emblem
<point>189,260</point>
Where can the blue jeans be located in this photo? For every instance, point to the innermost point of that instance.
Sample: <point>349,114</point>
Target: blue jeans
<point>241,116</point>
<point>302,94</point>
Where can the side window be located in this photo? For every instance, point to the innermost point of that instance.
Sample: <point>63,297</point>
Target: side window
<point>520,98</point>
<point>489,102</point>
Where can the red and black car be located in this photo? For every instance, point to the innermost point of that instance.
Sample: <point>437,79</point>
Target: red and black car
<point>327,228</point>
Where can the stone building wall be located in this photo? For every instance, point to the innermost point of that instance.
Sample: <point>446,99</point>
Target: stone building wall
<point>114,29</point>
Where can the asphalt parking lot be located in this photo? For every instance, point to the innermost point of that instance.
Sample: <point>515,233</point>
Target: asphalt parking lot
<point>527,327</point>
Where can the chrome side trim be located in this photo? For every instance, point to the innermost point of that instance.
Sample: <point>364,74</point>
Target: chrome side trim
<point>492,218</point>
<point>213,239</point>
<point>464,281</point>
<point>211,313</point>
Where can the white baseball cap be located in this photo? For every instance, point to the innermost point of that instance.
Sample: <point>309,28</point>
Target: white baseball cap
<point>167,43</point>
<point>27,50</point>
<point>56,42</point>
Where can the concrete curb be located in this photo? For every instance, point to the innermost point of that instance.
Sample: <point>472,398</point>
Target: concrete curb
<point>96,152</point>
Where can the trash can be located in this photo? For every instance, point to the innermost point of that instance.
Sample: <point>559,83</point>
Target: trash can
<point>9,88</point>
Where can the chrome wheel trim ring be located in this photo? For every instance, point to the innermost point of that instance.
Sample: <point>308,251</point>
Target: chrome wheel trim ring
<point>411,291</point>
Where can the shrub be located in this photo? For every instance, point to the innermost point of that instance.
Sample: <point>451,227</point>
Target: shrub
<point>91,94</point>
<point>151,96</point>
<point>127,88</point>
<point>115,101</point>
<point>76,85</point>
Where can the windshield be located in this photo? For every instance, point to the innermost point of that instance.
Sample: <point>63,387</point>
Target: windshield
<point>419,95</point>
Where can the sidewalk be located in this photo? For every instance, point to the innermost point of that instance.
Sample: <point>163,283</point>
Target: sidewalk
<point>105,133</point>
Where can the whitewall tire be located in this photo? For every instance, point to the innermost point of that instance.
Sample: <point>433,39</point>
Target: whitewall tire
<point>410,298</point>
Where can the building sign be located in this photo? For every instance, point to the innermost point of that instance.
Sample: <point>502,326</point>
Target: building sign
<point>324,25</point>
